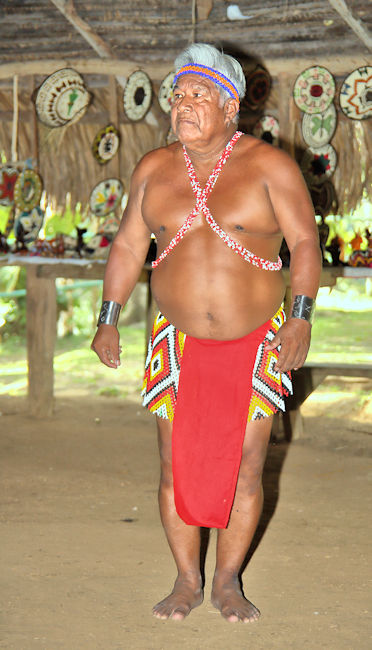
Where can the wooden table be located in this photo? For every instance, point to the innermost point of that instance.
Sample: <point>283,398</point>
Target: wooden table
<point>41,308</point>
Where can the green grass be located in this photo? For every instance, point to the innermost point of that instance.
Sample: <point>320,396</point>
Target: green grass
<point>78,369</point>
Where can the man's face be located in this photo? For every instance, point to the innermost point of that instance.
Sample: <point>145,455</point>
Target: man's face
<point>197,109</point>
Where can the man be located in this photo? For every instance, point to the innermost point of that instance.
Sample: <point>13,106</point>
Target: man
<point>219,288</point>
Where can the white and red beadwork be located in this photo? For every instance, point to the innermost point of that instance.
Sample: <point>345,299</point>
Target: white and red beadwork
<point>201,206</point>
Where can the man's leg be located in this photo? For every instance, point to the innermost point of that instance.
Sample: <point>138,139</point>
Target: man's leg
<point>234,541</point>
<point>184,540</point>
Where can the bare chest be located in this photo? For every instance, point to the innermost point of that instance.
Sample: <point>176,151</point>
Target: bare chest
<point>236,202</point>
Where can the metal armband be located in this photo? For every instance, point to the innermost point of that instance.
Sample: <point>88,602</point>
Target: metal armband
<point>109,314</point>
<point>303,307</point>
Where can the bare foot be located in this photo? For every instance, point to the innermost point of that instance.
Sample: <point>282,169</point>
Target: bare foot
<point>187,594</point>
<point>228,598</point>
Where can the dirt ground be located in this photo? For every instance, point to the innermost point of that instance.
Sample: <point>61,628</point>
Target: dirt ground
<point>84,558</point>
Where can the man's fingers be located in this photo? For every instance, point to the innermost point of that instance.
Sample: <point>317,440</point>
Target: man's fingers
<point>271,345</point>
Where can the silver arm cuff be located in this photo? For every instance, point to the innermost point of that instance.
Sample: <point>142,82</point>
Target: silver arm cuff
<point>303,307</point>
<point>109,314</point>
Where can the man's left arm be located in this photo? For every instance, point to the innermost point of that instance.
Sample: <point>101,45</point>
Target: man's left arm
<point>295,214</point>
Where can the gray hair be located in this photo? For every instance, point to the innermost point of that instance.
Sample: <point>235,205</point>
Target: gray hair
<point>223,63</point>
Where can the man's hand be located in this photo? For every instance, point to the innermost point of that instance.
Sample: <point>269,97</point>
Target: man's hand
<point>294,338</point>
<point>106,345</point>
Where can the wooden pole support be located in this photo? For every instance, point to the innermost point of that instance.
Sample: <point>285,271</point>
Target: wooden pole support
<point>41,336</point>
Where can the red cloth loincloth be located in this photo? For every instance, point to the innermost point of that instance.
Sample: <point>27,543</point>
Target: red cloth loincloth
<point>214,394</point>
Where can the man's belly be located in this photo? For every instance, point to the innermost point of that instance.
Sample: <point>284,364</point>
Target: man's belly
<point>222,301</point>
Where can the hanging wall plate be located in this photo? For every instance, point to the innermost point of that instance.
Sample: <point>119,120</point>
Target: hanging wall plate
<point>27,190</point>
<point>106,144</point>
<point>318,129</point>
<point>137,96</point>
<point>106,196</point>
<point>8,178</point>
<point>258,88</point>
<point>267,128</point>
<point>314,89</point>
<point>165,94</point>
<point>62,98</point>
<point>356,94</point>
<point>318,164</point>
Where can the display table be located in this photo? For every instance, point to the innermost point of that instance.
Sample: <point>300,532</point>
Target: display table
<point>41,308</point>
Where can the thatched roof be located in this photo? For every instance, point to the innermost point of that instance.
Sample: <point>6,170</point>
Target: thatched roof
<point>107,40</point>
<point>155,30</point>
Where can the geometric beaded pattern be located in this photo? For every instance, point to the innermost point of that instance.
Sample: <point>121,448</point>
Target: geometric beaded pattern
<point>163,364</point>
<point>269,386</point>
<point>201,207</point>
<point>209,73</point>
<point>162,368</point>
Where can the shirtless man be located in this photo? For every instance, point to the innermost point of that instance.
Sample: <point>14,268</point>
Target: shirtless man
<point>218,282</point>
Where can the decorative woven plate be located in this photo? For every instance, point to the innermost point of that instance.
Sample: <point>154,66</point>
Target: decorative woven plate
<point>105,144</point>
<point>356,94</point>
<point>27,190</point>
<point>314,89</point>
<point>318,129</point>
<point>8,178</point>
<point>106,196</point>
<point>324,198</point>
<point>165,94</point>
<point>258,88</point>
<point>318,164</point>
<point>137,96</point>
<point>62,98</point>
<point>267,128</point>
<point>28,224</point>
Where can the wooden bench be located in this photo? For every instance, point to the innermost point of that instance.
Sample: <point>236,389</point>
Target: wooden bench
<point>305,381</point>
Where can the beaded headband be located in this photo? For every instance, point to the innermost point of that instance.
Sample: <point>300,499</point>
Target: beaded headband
<point>210,73</point>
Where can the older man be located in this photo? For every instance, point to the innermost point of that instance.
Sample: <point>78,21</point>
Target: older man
<point>220,355</point>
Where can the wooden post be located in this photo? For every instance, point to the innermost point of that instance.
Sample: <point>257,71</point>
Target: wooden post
<point>41,336</point>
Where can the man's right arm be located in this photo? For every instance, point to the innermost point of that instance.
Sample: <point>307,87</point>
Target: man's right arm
<point>125,262</point>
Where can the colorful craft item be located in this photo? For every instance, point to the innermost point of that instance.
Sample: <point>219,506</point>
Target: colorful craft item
<point>356,94</point>
<point>361,258</point>
<point>165,94</point>
<point>258,83</point>
<point>106,196</point>
<point>28,190</point>
<point>137,96</point>
<point>318,128</point>
<point>356,242</point>
<point>28,224</point>
<point>209,73</point>
<point>314,90</point>
<point>318,164</point>
<point>49,248</point>
<point>8,178</point>
<point>62,98</point>
<point>267,128</point>
<point>106,144</point>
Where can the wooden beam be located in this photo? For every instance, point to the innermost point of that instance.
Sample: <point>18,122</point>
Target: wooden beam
<point>338,65</point>
<point>356,25</point>
<point>67,8</point>
<point>41,336</point>
<point>204,8</point>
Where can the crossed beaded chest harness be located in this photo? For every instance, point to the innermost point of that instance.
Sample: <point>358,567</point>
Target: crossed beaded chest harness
<point>202,196</point>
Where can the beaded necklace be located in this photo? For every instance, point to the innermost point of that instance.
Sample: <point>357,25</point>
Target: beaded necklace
<point>201,206</point>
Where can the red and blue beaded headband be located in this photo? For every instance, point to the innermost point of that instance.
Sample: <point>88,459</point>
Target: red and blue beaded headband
<point>210,73</point>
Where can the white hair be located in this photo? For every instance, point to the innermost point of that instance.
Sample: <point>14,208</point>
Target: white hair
<point>223,63</point>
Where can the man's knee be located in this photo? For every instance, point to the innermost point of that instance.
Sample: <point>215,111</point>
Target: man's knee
<point>254,455</point>
<point>165,452</point>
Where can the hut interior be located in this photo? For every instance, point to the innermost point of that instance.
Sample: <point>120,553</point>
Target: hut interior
<point>107,42</point>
